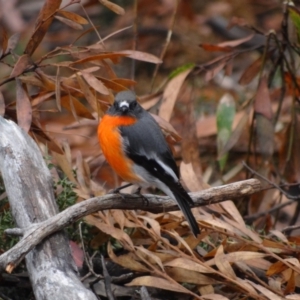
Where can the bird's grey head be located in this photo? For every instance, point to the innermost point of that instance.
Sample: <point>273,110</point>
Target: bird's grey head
<point>126,104</point>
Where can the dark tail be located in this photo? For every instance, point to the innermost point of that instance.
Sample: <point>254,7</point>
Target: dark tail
<point>184,201</point>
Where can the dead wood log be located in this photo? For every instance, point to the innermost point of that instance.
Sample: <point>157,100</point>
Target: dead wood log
<point>28,185</point>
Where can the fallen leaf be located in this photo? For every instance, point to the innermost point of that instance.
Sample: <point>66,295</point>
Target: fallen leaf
<point>43,22</point>
<point>12,42</point>
<point>2,105</point>
<point>157,282</point>
<point>270,295</point>
<point>223,264</point>
<point>126,260</point>
<point>143,56</point>
<point>188,264</point>
<point>96,84</point>
<point>75,107</point>
<point>188,276</point>
<point>89,96</point>
<point>262,103</point>
<point>170,95</point>
<point>23,106</point>
<point>57,90</point>
<point>250,72</point>
<point>69,23</point>
<point>113,7</point>
<point>149,256</point>
<point>20,66</point>
<point>72,16</point>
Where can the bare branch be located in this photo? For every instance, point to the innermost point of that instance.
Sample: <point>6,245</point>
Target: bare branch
<point>35,234</point>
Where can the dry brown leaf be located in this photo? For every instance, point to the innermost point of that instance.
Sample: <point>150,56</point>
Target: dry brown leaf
<point>237,42</point>
<point>293,297</point>
<point>32,80</point>
<point>251,72</point>
<point>270,295</point>
<point>170,95</point>
<point>215,297</point>
<point>149,256</point>
<point>153,223</point>
<point>125,82</point>
<point>157,282</point>
<point>245,230</point>
<point>23,106</point>
<point>262,104</point>
<point>113,7</point>
<point>116,233</point>
<point>142,56</point>
<point>184,275</point>
<point>126,260</point>
<point>246,286</point>
<point>41,97</point>
<point>291,284</point>
<point>280,236</point>
<point>42,24</point>
<point>12,42</point>
<point>57,89</point>
<point>111,84</point>
<point>220,224</point>
<point>4,37</point>
<point>106,55</point>
<point>82,174</point>
<point>69,23</point>
<point>188,264</point>
<point>119,217</point>
<point>96,84</point>
<point>210,74</point>
<point>39,135</point>
<point>231,209</point>
<point>72,16</point>
<point>190,178</point>
<point>20,66</point>
<point>48,82</point>
<point>223,264</point>
<point>76,107</point>
<point>65,164</point>
<point>2,105</point>
<point>167,128</point>
<point>240,121</point>
<point>215,48</point>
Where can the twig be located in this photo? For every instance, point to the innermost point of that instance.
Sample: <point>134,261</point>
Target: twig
<point>37,232</point>
<point>270,182</point>
<point>89,262</point>
<point>168,39</point>
<point>135,36</point>
<point>290,228</point>
<point>107,280</point>
<point>144,293</point>
<point>253,217</point>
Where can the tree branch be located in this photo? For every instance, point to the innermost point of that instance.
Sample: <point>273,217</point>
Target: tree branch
<point>34,234</point>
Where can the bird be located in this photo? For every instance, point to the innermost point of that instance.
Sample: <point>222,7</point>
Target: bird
<point>134,146</point>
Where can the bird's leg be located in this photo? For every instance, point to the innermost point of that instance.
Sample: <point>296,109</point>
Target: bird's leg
<point>117,190</point>
<point>138,192</point>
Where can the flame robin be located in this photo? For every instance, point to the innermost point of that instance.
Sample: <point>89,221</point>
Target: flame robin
<point>134,146</point>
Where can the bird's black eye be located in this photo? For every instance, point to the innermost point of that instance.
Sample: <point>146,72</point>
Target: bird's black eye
<point>133,105</point>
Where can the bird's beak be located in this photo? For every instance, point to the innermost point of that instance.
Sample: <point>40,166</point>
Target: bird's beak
<point>124,108</point>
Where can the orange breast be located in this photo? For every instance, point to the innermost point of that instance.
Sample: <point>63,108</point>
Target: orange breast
<point>111,144</point>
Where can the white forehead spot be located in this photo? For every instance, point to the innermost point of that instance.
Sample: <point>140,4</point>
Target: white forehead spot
<point>124,103</point>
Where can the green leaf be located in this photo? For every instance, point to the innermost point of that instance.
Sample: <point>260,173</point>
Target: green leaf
<point>295,17</point>
<point>181,69</point>
<point>225,115</point>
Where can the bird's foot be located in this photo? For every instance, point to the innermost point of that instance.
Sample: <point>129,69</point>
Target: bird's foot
<point>138,192</point>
